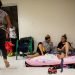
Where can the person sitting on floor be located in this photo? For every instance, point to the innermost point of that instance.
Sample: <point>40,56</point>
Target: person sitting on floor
<point>64,46</point>
<point>40,51</point>
<point>48,44</point>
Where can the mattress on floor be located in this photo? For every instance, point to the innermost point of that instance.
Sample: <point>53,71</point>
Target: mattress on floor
<point>48,60</point>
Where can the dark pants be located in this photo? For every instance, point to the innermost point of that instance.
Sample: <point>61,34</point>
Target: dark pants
<point>2,43</point>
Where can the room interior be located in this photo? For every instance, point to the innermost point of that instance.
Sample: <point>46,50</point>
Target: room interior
<point>38,18</point>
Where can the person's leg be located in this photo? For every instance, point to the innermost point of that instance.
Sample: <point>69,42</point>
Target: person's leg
<point>67,46</point>
<point>61,55</point>
<point>4,54</point>
<point>2,46</point>
<point>34,55</point>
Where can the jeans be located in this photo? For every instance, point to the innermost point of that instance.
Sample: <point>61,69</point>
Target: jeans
<point>2,43</point>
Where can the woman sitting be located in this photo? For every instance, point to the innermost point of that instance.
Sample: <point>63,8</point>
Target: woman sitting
<point>63,47</point>
<point>40,51</point>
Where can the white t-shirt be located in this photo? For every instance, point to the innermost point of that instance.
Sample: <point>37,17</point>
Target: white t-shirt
<point>12,33</point>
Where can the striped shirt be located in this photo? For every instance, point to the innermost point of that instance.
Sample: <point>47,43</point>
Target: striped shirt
<point>48,46</point>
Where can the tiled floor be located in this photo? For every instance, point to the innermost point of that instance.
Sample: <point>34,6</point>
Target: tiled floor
<point>18,68</point>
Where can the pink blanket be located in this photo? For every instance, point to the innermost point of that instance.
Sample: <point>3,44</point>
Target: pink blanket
<point>49,60</point>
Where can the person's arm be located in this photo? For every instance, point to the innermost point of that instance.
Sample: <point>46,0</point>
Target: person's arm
<point>9,25</point>
<point>41,49</point>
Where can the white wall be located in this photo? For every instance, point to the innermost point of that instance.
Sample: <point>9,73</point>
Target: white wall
<point>40,17</point>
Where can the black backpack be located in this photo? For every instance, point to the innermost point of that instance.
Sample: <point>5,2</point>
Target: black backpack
<point>26,44</point>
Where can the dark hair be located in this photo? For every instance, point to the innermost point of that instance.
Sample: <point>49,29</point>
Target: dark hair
<point>65,37</point>
<point>0,3</point>
<point>40,43</point>
<point>47,37</point>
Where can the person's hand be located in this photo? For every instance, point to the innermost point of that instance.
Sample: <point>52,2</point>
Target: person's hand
<point>59,49</point>
<point>60,56</point>
<point>7,36</point>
